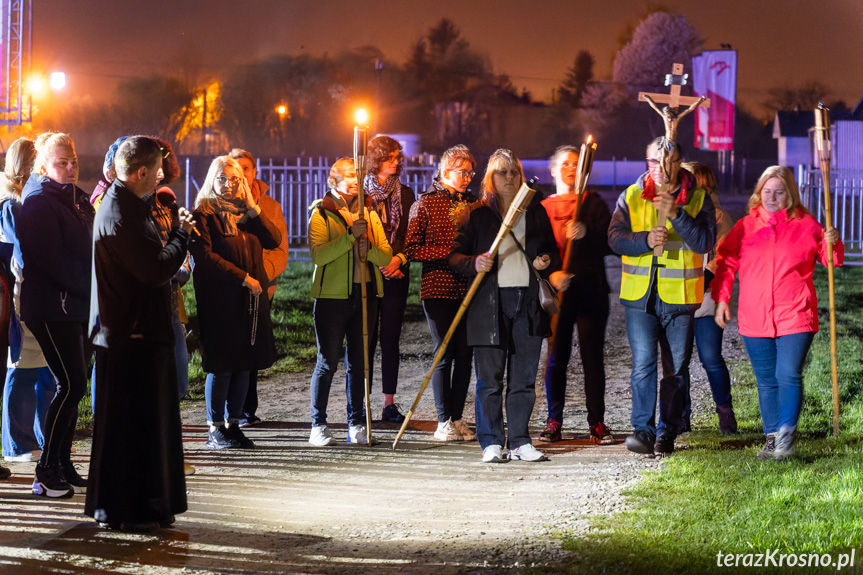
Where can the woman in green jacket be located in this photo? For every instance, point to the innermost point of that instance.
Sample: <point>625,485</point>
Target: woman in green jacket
<point>336,239</point>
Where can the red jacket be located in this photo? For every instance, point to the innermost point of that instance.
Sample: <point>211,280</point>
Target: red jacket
<point>775,256</point>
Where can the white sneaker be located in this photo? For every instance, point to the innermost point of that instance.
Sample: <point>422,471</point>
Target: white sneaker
<point>463,430</point>
<point>527,452</point>
<point>446,432</point>
<point>493,454</point>
<point>321,436</point>
<point>29,456</point>
<point>357,434</point>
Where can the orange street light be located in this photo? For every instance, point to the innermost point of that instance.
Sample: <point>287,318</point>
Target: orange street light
<point>36,85</point>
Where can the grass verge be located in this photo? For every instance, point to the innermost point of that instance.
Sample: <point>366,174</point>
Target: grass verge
<point>716,497</point>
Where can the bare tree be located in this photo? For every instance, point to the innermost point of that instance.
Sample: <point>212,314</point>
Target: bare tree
<point>791,98</point>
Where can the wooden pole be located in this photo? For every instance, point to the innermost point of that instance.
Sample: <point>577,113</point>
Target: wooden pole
<point>822,133</point>
<point>519,204</point>
<point>360,145</point>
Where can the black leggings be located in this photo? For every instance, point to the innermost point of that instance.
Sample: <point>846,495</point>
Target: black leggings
<point>66,350</point>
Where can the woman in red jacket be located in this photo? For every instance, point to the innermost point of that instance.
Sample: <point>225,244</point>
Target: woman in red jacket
<point>774,249</point>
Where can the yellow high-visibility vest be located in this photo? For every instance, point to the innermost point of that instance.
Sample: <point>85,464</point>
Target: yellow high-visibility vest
<point>680,278</point>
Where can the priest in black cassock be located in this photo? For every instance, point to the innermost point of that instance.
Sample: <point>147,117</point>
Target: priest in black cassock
<point>136,466</point>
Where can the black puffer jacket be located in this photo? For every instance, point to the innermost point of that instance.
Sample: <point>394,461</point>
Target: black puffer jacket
<point>55,231</point>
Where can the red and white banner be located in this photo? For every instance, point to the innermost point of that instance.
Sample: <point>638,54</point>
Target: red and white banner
<point>714,74</point>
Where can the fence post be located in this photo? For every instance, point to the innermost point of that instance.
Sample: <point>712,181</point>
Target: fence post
<point>188,182</point>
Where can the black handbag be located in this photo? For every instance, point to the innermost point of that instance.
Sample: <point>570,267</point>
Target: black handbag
<point>548,297</point>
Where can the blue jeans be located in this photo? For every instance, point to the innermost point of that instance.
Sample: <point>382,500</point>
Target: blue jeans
<point>451,378</point>
<point>26,398</point>
<point>338,321</point>
<point>778,366</point>
<point>224,394</point>
<point>708,342</point>
<point>181,352</point>
<point>674,335</point>
<point>518,355</point>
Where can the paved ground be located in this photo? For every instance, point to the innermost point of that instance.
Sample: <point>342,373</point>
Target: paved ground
<point>289,508</point>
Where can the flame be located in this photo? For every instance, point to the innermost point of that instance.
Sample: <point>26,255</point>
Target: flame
<point>589,138</point>
<point>362,117</point>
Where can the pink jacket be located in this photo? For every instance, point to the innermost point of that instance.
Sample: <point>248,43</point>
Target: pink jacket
<point>775,256</point>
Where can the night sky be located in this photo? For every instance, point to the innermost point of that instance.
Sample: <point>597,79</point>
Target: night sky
<point>780,42</point>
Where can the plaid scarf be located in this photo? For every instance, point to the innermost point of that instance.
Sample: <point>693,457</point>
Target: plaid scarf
<point>229,212</point>
<point>388,201</point>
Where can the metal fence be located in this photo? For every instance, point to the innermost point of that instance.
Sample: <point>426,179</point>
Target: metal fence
<point>296,185</point>
<point>846,191</point>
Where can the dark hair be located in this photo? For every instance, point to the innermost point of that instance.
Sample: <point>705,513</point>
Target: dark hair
<point>381,148</point>
<point>170,162</point>
<point>135,152</point>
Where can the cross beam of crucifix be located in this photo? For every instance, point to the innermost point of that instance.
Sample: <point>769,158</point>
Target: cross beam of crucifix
<point>670,114</point>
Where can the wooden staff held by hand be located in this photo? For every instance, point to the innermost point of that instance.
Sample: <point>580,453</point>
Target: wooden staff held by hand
<point>361,141</point>
<point>822,139</point>
<point>484,263</point>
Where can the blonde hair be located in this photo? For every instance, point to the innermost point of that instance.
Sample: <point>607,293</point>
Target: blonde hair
<point>46,144</point>
<point>795,206</point>
<point>207,194</point>
<point>19,164</point>
<point>501,159</point>
<point>454,156</point>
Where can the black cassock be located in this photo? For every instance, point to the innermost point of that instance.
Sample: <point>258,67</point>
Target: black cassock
<point>136,465</point>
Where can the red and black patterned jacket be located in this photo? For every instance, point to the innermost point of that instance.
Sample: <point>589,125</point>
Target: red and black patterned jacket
<point>432,227</point>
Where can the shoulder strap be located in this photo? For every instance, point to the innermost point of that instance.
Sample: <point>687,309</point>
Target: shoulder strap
<point>529,263</point>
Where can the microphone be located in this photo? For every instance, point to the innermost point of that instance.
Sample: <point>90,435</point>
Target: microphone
<point>167,198</point>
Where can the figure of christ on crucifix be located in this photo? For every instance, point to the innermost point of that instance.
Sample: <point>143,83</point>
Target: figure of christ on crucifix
<point>671,118</point>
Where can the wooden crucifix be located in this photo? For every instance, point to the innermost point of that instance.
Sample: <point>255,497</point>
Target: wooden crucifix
<point>671,116</point>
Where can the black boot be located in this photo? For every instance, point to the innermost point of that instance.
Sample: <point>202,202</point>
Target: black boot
<point>727,421</point>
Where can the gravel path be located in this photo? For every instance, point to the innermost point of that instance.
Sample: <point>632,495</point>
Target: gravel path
<point>289,508</point>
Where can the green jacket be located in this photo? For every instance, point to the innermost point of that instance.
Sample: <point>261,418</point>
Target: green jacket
<point>331,248</point>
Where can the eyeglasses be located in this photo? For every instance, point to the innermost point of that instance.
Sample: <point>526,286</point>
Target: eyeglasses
<point>393,158</point>
<point>569,165</point>
<point>225,180</point>
<point>508,173</point>
<point>464,174</point>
